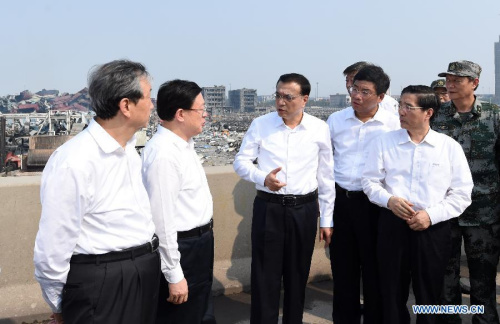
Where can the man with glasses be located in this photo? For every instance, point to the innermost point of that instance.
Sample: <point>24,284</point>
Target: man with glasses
<point>388,103</point>
<point>352,249</point>
<point>476,126</point>
<point>421,179</point>
<point>182,206</point>
<point>439,87</point>
<point>294,173</point>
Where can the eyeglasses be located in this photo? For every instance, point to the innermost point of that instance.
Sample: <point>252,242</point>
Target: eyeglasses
<point>363,93</point>
<point>442,93</point>
<point>203,110</point>
<point>286,97</point>
<point>405,106</point>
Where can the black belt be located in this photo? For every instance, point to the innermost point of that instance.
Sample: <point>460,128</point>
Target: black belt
<point>196,232</point>
<point>288,200</point>
<point>127,254</point>
<point>349,194</point>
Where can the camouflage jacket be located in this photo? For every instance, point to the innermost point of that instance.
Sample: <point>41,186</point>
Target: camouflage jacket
<point>479,137</point>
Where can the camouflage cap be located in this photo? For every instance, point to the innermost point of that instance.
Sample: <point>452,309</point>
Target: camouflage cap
<point>439,83</point>
<point>463,68</point>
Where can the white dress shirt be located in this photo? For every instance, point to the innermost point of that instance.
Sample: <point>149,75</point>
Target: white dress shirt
<point>433,175</point>
<point>390,104</point>
<point>351,139</point>
<point>93,202</point>
<point>304,153</point>
<point>179,194</point>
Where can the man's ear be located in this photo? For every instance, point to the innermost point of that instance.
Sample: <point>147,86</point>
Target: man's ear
<point>430,112</point>
<point>381,97</point>
<point>124,106</point>
<point>179,114</point>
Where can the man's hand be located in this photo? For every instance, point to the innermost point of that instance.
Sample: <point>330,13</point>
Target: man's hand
<point>272,182</point>
<point>178,292</point>
<point>420,221</point>
<point>401,207</point>
<point>56,318</point>
<point>325,233</point>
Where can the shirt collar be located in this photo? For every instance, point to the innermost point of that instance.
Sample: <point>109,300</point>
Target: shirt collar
<point>105,141</point>
<point>381,115</point>
<point>431,138</point>
<point>476,108</point>
<point>306,121</point>
<point>171,136</point>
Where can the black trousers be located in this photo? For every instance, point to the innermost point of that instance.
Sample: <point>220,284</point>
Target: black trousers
<point>353,257</point>
<point>197,262</point>
<point>417,256</point>
<point>282,245</point>
<point>122,292</point>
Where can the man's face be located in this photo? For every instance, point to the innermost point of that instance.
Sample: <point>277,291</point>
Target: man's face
<point>412,119</point>
<point>141,111</point>
<point>289,102</point>
<point>364,98</point>
<point>349,80</point>
<point>460,87</point>
<point>442,93</point>
<point>195,116</point>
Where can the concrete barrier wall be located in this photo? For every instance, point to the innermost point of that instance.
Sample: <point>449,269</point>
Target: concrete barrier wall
<point>20,213</point>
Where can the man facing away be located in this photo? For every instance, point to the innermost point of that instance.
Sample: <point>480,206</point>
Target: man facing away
<point>352,249</point>
<point>421,179</point>
<point>294,172</point>
<point>182,206</point>
<point>476,126</point>
<point>95,254</point>
<point>388,103</point>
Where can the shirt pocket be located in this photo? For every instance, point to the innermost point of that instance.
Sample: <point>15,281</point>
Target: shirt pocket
<point>438,177</point>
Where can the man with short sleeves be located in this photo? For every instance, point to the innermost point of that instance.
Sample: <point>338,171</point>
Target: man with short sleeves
<point>182,206</point>
<point>294,173</point>
<point>95,253</point>
<point>421,180</point>
<point>352,249</point>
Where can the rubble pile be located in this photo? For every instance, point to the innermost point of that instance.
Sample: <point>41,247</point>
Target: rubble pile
<point>45,100</point>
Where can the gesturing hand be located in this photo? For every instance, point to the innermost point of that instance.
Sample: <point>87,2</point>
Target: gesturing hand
<point>272,181</point>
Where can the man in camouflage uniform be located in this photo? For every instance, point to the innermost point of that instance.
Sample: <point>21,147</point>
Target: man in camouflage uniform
<point>439,87</point>
<point>476,126</point>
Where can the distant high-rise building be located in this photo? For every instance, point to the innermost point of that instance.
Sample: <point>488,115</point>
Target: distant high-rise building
<point>214,99</point>
<point>497,71</point>
<point>243,100</point>
<point>340,100</point>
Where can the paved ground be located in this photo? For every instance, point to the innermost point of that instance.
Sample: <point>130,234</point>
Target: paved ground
<point>235,309</point>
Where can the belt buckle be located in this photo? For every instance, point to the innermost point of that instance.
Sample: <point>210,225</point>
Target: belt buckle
<point>289,200</point>
<point>152,243</point>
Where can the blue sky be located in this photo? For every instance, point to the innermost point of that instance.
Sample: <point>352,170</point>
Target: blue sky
<point>52,44</point>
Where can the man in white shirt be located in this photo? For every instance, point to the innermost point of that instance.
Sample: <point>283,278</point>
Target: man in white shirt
<point>182,206</point>
<point>352,250</point>
<point>388,103</point>
<point>95,255</point>
<point>294,172</point>
<point>421,179</point>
